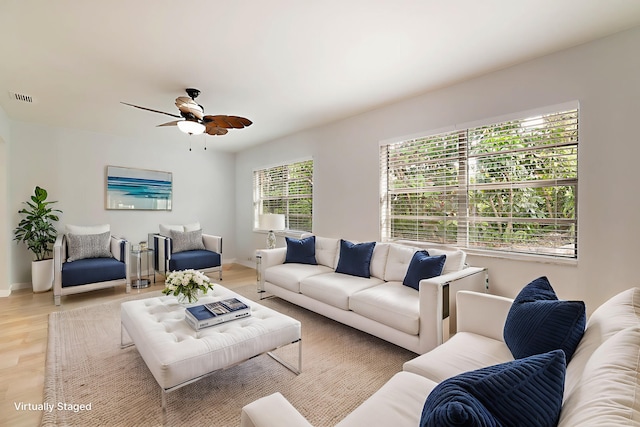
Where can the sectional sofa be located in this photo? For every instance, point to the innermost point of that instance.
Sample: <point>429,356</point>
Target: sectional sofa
<point>364,286</point>
<point>600,385</point>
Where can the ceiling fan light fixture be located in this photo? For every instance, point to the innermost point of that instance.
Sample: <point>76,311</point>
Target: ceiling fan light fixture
<point>191,127</point>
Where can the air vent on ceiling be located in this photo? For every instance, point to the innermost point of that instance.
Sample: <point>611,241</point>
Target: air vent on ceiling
<point>21,97</point>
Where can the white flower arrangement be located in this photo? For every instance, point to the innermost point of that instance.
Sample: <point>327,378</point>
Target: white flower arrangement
<point>186,284</point>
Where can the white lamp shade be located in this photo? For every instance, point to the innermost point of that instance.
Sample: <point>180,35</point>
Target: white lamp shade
<point>191,127</point>
<point>271,222</point>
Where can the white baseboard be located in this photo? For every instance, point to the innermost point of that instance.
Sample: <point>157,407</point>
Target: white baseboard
<point>23,285</point>
<point>14,287</point>
<point>250,264</point>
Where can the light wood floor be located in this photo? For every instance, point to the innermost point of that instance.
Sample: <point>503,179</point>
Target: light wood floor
<point>23,339</point>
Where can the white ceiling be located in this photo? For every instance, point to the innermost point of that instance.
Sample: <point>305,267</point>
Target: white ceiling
<point>287,65</point>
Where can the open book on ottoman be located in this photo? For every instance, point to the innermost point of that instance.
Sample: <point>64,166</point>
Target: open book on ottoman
<point>214,313</point>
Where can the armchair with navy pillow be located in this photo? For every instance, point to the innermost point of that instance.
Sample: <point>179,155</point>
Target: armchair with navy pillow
<point>87,258</point>
<point>183,247</point>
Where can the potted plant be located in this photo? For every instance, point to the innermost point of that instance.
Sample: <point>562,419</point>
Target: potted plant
<point>37,231</point>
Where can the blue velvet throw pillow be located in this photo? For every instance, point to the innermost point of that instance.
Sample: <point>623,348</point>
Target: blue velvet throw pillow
<point>525,392</point>
<point>355,258</point>
<point>539,322</point>
<point>301,251</point>
<point>423,266</point>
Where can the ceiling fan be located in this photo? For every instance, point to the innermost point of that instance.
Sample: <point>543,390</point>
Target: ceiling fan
<point>194,122</point>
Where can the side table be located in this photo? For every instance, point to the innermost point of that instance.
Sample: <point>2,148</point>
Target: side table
<point>138,254</point>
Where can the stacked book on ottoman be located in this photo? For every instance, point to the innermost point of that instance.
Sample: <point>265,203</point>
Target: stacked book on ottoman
<point>214,313</point>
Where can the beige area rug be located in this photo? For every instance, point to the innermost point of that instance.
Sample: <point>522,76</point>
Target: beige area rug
<point>341,367</point>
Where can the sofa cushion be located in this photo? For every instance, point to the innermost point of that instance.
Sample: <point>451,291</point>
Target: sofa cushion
<point>186,241</point>
<point>289,276</point>
<point>379,260</point>
<point>423,266</point>
<point>92,270</point>
<point>301,251</point>
<point>608,391</point>
<point>455,259</point>
<point>527,392</point>
<point>391,304</point>
<point>397,403</point>
<point>335,288</point>
<point>327,251</point>
<point>614,315</point>
<point>453,358</point>
<point>197,260</point>
<point>539,322</point>
<point>398,262</point>
<point>82,246</point>
<point>355,258</point>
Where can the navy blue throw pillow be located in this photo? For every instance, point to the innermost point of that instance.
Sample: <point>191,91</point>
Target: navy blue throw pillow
<point>423,266</point>
<point>355,258</point>
<point>301,251</point>
<point>525,392</point>
<point>539,322</point>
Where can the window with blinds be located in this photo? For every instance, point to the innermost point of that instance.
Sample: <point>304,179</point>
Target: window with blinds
<point>285,189</point>
<point>509,186</point>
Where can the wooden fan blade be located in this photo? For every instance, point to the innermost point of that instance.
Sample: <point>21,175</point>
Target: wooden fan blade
<point>222,121</point>
<point>149,109</point>
<point>189,106</point>
<point>212,129</point>
<point>173,123</point>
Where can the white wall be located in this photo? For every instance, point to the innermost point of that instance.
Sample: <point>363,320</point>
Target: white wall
<point>70,165</point>
<point>604,76</point>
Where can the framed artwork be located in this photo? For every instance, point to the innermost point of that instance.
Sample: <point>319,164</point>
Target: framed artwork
<point>138,189</point>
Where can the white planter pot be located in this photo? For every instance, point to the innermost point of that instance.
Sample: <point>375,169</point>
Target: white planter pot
<point>42,275</point>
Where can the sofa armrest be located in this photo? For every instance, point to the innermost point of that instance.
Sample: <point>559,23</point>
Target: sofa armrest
<point>121,250</point>
<point>59,255</point>
<point>437,302</point>
<point>212,243</point>
<point>482,314</point>
<point>271,257</point>
<point>268,258</point>
<point>272,411</point>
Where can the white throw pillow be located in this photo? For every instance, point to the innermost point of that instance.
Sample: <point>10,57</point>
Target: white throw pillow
<point>192,227</point>
<point>165,229</point>
<point>88,229</point>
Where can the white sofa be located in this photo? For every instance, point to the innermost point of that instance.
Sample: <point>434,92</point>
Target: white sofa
<point>379,305</point>
<point>602,383</point>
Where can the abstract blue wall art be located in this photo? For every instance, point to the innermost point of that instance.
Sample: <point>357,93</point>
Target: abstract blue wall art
<point>138,189</point>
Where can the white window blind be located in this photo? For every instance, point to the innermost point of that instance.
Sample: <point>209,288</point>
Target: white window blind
<point>509,186</point>
<point>285,189</point>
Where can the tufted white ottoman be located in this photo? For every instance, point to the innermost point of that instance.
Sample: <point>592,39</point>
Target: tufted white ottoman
<point>177,355</point>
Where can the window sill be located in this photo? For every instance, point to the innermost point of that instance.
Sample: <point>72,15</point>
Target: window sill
<point>541,259</point>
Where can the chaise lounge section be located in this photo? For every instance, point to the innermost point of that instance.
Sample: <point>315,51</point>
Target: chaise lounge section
<point>601,385</point>
<point>371,294</point>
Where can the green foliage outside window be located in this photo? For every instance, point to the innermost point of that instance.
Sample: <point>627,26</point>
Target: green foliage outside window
<point>510,186</point>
